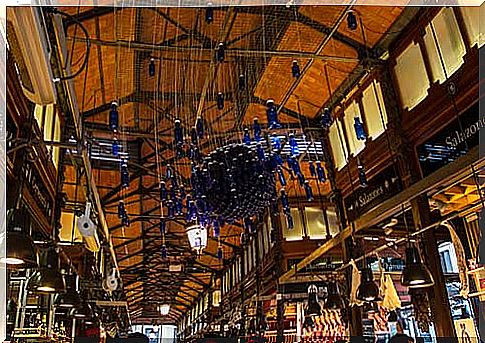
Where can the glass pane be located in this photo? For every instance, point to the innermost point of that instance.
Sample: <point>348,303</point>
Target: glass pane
<point>66,233</point>
<point>333,223</point>
<point>351,113</point>
<point>411,76</point>
<point>38,114</point>
<point>337,142</point>
<point>297,232</point>
<point>471,16</point>
<point>373,107</point>
<point>315,223</point>
<point>56,138</point>
<point>449,41</point>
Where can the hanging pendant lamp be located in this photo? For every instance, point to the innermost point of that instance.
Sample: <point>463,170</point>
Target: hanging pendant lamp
<point>313,307</point>
<point>334,299</point>
<point>415,274</point>
<point>21,250</point>
<point>48,279</point>
<point>71,298</point>
<point>81,311</point>
<point>368,290</point>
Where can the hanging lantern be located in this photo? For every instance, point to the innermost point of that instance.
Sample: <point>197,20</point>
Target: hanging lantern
<point>313,307</point>
<point>151,67</point>
<point>242,82</point>
<point>197,235</point>
<point>351,21</point>
<point>272,115</point>
<point>415,274</point>
<point>220,101</point>
<point>359,129</point>
<point>362,176</point>
<point>164,309</point>
<point>256,130</point>
<point>368,290</point>
<point>220,53</point>
<point>209,13</point>
<point>113,117</point>
<point>334,299</point>
<point>295,69</point>
<point>326,118</point>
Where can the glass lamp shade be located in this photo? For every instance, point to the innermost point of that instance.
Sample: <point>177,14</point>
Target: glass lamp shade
<point>334,299</point>
<point>197,237</point>
<point>21,251</point>
<point>164,309</point>
<point>415,274</point>
<point>313,307</point>
<point>368,290</point>
<point>47,281</point>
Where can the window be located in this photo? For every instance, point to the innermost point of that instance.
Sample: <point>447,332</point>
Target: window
<point>69,231</point>
<point>450,43</point>
<point>315,223</point>
<point>297,232</point>
<point>471,16</point>
<point>216,298</point>
<point>373,106</point>
<point>333,222</point>
<point>412,79</point>
<point>337,141</point>
<point>50,125</point>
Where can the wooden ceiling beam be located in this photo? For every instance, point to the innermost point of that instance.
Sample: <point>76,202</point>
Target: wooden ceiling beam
<point>95,12</point>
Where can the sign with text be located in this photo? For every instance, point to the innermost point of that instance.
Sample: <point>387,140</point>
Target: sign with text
<point>380,187</point>
<point>451,142</point>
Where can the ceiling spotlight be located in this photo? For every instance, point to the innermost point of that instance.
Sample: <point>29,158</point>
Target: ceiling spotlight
<point>415,274</point>
<point>368,290</point>
<point>313,307</point>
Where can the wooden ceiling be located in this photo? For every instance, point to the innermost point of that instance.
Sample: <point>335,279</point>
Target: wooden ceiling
<point>261,43</point>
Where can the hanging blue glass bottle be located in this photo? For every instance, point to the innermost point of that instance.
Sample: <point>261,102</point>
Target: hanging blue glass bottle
<point>278,159</point>
<point>163,191</point>
<point>170,209</point>
<point>301,178</point>
<point>308,190</point>
<point>168,172</point>
<point>275,142</point>
<point>220,253</point>
<point>260,151</point>
<point>362,176</point>
<point>272,115</point>
<point>194,137</point>
<point>163,227</point>
<point>295,150</point>
<point>281,176</point>
<point>115,147</point>
<point>311,167</point>
<point>289,222</point>
<point>351,21</point>
<point>284,200</point>
<point>221,52</point>
<point>242,82</point>
<point>326,118</point>
<point>295,69</point>
<point>199,125</point>
<point>192,212</point>
<point>220,101</point>
<point>121,209</point>
<point>125,175</point>
<point>125,221</point>
<point>164,252</point>
<point>359,129</point>
<point>209,13</point>
<point>178,133</point>
<point>256,130</point>
<point>151,67</point>
<point>216,228</point>
<point>321,172</point>
<point>113,117</point>
<point>246,136</point>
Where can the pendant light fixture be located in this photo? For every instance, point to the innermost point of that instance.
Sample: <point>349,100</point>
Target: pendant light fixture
<point>313,307</point>
<point>48,279</point>
<point>21,250</point>
<point>334,299</point>
<point>71,298</point>
<point>197,237</point>
<point>368,290</point>
<point>308,323</point>
<point>81,311</point>
<point>415,274</point>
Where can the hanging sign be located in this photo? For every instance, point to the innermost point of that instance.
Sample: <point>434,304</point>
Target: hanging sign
<point>451,142</point>
<point>380,187</point>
